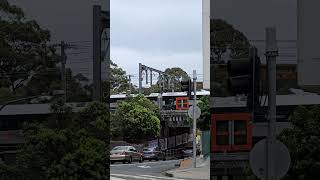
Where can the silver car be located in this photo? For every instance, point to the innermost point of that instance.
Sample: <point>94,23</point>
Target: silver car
<point>153,154</point>
<point>125,154</point>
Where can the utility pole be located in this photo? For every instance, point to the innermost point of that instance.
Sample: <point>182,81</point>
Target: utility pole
<point>194,119</point>
<point>63,69</point>
<point>130,84</point>
<point>101,21</point>
<point>271,54</point>
<point>96,53</point>
<point>140,78</point>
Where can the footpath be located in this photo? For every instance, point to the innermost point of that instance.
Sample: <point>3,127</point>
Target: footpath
<point>186,171</point>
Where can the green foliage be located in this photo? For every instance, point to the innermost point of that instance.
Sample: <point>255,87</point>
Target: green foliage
<point>203,123</point>
<point>226,39</point>
<point>119,80</point>
<point>136,119</point>
<point>77,150</point>
<point>303,142</point>
<point>28,63</point>
<point>23,49</point>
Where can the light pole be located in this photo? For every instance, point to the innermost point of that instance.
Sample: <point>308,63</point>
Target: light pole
<point>194,119</point>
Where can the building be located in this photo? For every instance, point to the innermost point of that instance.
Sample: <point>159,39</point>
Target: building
<point>226,162</point>
<point>308,44</point>
<point>206,43</point>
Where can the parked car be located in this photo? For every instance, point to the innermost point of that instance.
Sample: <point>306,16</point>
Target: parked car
<point>153,154</point>
<point>188,152</point>
<point>125,154</point>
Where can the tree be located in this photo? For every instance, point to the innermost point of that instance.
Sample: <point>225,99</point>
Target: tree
<point>203,123</point>
<point>23,49</point>
<point>136,119</point>
<point>77,149</point>
<point>225,42</point>
<point>226,39</point>
<point>178,75</point>
<point>303,142</point>
<point>119,80</point>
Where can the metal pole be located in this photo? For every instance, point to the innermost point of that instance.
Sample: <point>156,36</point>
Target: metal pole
<point>63,69</point>
<point>194,119</point>
<point>150,77</point>
<point>96,53</point>
<point>140,78</point>
<point>271,53</point>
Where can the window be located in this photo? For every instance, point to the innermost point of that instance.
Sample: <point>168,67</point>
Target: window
<point>182,103</point>
<point>240,132</point>
<point>222,133</point>
<point>231,132</point>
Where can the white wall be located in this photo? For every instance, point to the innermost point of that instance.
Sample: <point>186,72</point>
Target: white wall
<point>206,43</point>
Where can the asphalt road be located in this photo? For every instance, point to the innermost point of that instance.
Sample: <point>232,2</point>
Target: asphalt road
<point>154,170</point>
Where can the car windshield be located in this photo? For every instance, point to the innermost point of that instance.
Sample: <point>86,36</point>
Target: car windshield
<point>147,149</point>
<point>117,148</point>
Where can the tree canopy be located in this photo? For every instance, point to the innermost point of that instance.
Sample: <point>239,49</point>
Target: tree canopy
<point>72,146</point>
<point>303,142</point>
<point>136,119</point>
<point>178,75</point>
<point>28,63</point>
<point>203,123</point>
<point>225,39</point>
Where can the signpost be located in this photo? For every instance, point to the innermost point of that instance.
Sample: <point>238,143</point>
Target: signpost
<point>194,112</point>
<point>258,160</point>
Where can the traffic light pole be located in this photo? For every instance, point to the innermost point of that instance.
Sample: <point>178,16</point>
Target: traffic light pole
<point>271,54</point>
<point>194,119</point>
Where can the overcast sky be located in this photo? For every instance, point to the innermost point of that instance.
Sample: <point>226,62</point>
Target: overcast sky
<point>157,33</point>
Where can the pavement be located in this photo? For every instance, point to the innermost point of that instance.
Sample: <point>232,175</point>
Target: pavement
<point>186,171</point>
<point>154,170</point>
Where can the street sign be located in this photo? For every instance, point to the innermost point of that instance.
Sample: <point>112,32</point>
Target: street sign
<point>257,159</point>
<point>197,112</point>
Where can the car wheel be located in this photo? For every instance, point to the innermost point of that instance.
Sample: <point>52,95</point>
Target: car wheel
<point>130,160</point>
<point>164,158</point>
<point>112,162</point>
<point>141,159</point>
<point>149,159</point>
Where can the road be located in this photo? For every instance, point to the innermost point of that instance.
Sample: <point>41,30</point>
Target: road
<point>154,170</point>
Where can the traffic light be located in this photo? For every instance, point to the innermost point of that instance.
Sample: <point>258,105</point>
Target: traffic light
<point>186,87</point>
<point>244,78</point>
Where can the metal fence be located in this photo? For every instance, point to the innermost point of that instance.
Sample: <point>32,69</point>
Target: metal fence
<point>171,142</point>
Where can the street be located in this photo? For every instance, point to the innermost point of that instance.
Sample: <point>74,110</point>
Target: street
<point>146,170</point>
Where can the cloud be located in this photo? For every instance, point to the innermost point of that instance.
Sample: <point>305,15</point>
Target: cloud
<point>149,25</point>
<point>129,59</point>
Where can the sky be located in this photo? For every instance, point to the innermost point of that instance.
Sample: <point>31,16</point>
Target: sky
<point>158,33</point>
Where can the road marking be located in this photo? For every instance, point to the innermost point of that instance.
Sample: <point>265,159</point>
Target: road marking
<point>115,178</point>
<point>148,177</point>
<point>161,177</point>
<point>145,163</point>
<point>144,166</point>
<point>131,176</point>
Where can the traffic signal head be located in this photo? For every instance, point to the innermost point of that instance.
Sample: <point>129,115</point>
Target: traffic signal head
<point>186,87</point>
<point>244,77</point>
<point>239,76</point>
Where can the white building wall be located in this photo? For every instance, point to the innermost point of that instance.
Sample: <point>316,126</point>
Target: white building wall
<point>206,43</point>
<point>308,43</point>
